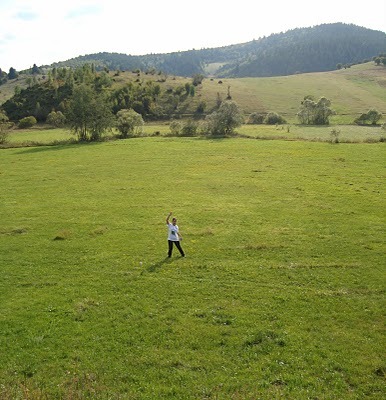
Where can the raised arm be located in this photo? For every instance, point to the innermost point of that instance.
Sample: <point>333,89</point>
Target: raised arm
<point>167,218</point>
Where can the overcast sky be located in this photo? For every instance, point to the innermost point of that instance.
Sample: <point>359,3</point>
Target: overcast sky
<point>43,32</point>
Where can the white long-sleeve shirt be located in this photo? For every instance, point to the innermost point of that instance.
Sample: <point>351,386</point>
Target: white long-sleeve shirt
<point>173,232</point>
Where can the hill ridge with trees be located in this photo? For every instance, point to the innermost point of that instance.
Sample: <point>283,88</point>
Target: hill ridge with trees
<point>313,49</point>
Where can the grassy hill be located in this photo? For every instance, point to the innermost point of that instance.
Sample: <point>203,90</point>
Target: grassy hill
<point>352,91</point>
<point>280,296</point>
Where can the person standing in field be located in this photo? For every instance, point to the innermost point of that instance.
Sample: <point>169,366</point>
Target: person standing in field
<point>174,236</point>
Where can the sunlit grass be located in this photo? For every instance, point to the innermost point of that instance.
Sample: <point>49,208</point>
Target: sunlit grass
<point>352,91</point>
<point>280,296</point>
<point>347,133</point>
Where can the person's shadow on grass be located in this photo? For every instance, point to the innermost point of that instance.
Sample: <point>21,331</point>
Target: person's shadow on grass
<point>159,264</point>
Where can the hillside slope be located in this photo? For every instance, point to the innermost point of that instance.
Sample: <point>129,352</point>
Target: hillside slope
<point>316,49</point>
<point>313,49</point>
<point>352,91</point>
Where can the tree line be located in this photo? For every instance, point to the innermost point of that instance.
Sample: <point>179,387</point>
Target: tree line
<point>54,91</point>
<point>314,49</point>
<point>87,101</point>
<point>90,112</point>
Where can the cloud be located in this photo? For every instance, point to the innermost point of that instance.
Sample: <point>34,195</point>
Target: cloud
<point>26,16</point>
<point>84,11</point>
<point>7,38</point>
<point>44,34</point>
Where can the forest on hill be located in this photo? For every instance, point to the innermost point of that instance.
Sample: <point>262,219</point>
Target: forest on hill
<point>156,96</point>
<point>167,86</point>
<point>314,49</point>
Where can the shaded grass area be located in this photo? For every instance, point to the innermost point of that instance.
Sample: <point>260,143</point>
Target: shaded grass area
<point>281,294</point>
<point>42,136</point>
<point>39,135</point>
<point>346,133</point>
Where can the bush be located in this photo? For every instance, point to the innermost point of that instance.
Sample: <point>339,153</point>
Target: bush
<point>255,118</point>
<point>315,112</point>
<point>156,112</point>
<point>361,119</point>
<point>203,128</point>
<point>3,117</point>
<point>201,107</point>
<point>334,134</point>
<point>175,127</point>
<point>129,122</point>
<point>27,122</point>
<point>189,128</point>
<point>273,118</point>
<point>4,133</point>
<point>4,128</point>
<point>56,119</point>
<point>225,120</point>
<point>372,116</point>
<point>197,79</point>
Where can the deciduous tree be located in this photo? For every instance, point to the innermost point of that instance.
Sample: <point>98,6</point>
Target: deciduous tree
<point>372,116</point>
<point>4,127</point>
<point>27,122</point>
<point>129,122</point>
<point>56,118</point>
<point>89,114</point>
<point>225,120</point>
<point>315,113</point>
<point>35,69</point>
<point>12,74</point>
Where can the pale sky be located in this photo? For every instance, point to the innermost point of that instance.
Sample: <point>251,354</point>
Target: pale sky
<point>43,32</point>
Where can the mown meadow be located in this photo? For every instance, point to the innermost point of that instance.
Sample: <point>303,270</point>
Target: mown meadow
<point>43,135</point>
<point>281,294</point>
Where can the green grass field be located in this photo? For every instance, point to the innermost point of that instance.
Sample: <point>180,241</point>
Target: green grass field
<point>281,294</point>
<point>347,133</point>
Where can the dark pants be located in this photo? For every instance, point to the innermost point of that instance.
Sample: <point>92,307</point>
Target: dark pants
<point>177,243</point>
